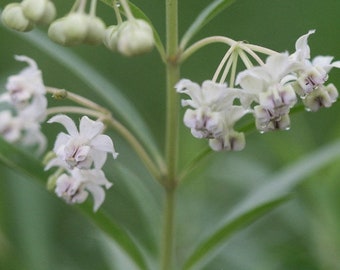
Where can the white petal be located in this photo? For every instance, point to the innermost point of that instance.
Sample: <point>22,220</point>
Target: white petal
<point>302,48</point>
<point>67,122</point>
<point>104,143</point>
<point>98,195</point>
<point>26,59</point>
<point>61,140</point>
<point>99,158</point>
<point>89,128</point>
<point>56,162</point>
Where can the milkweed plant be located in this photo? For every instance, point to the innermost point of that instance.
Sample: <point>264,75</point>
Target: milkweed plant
<point>250,82</point>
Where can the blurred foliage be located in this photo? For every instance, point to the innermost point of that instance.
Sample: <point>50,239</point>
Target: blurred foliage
<point>38,231</point>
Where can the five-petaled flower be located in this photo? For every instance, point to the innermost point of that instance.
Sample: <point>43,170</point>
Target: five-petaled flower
<point>75,186</point>
<point>214,114</point>
<point>26,95</point>
<point>83,148</point>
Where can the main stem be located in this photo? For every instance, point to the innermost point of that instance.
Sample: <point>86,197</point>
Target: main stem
<point>171,150</point>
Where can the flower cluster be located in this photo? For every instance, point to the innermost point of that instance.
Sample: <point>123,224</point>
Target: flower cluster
<point>81,155</point>
<point>23,16</point>
<point>27,106</point>
<point>77,28</point>
<point>267,91</point>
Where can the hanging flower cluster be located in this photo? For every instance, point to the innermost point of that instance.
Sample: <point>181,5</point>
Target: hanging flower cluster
<point>27,106</point>
<point>267,91</point>
<point>81,154</point>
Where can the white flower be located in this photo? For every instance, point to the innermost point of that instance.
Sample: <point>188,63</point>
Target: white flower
<point>311,74</point>
<point>10,126</point>
<point>213,115</point>
<point>25,87</point>
<point>208,101</point>
<point>269,85</point>
<point>22,130</point>
<point>75,188</point>
<point>81,148</point>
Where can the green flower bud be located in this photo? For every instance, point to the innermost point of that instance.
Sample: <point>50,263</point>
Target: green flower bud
<point>69,30</point>
<point>49,14</point>
<point>135,37</point>
<point>38,11</point>
<point>111,36</point>
<point>14,18</point>
<point>95,31</point>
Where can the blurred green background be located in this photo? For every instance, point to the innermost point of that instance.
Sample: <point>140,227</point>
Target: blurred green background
<point>38,231</point>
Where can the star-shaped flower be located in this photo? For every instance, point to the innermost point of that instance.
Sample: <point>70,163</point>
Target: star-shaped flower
<point>82,148</point>
<point>76,186</point>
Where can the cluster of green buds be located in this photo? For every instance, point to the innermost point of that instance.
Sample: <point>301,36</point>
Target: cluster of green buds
<point>129,37</point>
<point>77,28</point>
<point>25,15</point>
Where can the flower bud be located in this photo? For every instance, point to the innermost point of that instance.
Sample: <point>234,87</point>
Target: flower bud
<point>39,11</point>
<point>95,31</point>
<point>69,30</point>
<point>14,18</point>
<point>49,14</point>
<point>135,37</point>
<point>111,35</point>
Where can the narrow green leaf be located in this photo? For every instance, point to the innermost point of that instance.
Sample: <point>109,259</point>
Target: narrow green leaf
<point>139,14</point>
<point>203,18</point>
<point>26,164</point>
<point>261,201</point>
<point>101,86</point>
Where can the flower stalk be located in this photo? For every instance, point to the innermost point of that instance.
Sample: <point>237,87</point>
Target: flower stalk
<point>172,116</point>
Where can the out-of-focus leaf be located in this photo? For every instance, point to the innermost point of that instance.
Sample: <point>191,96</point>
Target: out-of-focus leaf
<point>24,163</point>
<point>138,13</point>
<point>101,86</point>
<point>203,18</point>
<point>261,201</point>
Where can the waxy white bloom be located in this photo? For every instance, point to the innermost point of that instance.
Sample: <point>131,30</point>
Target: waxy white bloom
<point>20,129</point>
<point>25,86</point>
<point>213,115</point>
<point>76,186</point>
<point>269,85</point>
<point>26,93</point>
<point>81,148</point>
<point>10,126</point>
<point>312,73</point>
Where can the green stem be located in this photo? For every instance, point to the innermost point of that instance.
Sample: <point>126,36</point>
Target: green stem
<point>171,147</point>
<point>168,230</point>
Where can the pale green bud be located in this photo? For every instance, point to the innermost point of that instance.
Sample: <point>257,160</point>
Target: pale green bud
<point>49,14</point>
<point>69,30</point>
<point>111,36</point>
<point>39,11</point>
<point>135,37</point>
<point>95,31</point>
<point>13,17</point>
